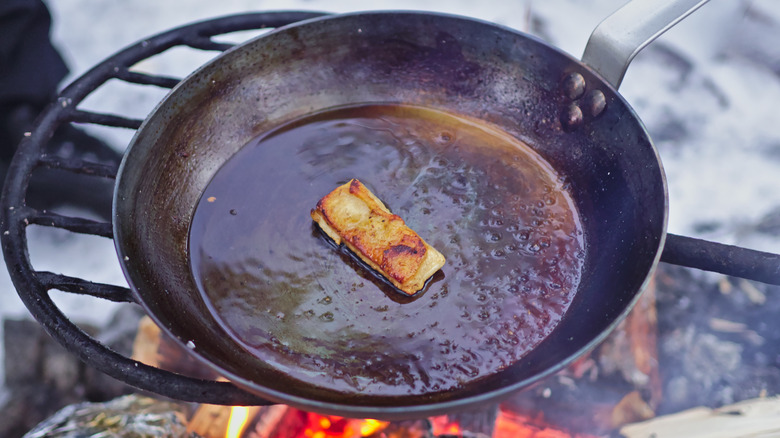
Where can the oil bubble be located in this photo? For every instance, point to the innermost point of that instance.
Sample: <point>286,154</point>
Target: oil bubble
<point>493,236</point>
<point>496,222</point>
<point>522,236</point>
<point>444,138</point>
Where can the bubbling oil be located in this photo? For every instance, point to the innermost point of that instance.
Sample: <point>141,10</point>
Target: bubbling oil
<point>497,210</point>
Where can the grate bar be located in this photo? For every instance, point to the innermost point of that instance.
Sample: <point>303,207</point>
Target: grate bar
<point>65,283</point>
<point>74,224</point>
<point>202,42</point>
<point>33,286</point>
<point>78,166</point>
<point>80,116</point>
<point>147,79</point>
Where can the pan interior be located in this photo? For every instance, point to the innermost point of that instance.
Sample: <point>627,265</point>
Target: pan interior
<point>492,206</point>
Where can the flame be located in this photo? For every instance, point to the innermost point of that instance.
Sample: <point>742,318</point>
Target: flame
<point>370,426</point>
<point>337,427</point>
<point>520,426</point>
<point>239,416</point>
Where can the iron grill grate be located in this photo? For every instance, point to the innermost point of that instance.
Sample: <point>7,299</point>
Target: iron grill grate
<point>34,286</point>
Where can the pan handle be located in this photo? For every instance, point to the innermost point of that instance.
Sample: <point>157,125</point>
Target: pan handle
<point>617,39</point>
<point>610,49</point>
<point>722,258</point>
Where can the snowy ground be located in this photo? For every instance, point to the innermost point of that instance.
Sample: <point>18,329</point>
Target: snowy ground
<point>708,91</point>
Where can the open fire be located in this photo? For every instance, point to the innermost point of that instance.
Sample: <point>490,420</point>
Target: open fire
<point>544,413</point>
<point>239,417</point>
<point>247,422</point>
<point>614,388</point>
<point>279,421</point>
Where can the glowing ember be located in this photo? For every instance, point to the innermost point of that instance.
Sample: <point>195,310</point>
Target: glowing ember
<point>311,425</point>
<point>444,425</point>
<point>338,427</point>
<point>519,426</point>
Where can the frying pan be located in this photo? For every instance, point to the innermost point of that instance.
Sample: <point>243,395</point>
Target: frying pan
<point>566,111</point>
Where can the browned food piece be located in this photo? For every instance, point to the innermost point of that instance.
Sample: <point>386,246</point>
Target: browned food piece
<point>353,215</point>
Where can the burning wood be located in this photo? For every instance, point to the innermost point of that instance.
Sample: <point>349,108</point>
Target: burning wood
<point>267,420</point>
<point>615,385</point>
<point>510,425</point>
<point>154,349</point>
<point>211,421</point>
<point>630,353</point>
<point>474,423</point>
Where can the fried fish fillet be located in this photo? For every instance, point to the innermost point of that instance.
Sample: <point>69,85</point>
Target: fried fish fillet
<point>353,215</point>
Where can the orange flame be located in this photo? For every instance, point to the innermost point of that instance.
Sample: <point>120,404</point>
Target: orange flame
<point>369,426</point>
<point>239,416</point>
<point>520,426</point>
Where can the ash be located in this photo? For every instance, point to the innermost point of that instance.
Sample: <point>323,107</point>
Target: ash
<point>718,340</point>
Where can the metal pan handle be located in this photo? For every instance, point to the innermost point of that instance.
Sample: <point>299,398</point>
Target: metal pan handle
<point>724,259</point>
<point>617,39</point>
<point>610,49</point>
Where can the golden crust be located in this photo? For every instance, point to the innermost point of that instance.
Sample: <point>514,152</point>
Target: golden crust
<point>353,215</point>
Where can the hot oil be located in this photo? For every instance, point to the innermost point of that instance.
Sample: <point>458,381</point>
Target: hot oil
<point>498,212</point>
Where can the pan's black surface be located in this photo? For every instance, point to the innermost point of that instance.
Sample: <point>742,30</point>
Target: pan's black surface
<point>459,65</point>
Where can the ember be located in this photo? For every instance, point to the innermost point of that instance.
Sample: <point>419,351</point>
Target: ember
<point>613,388</point>
<point>297,423</point>
<point>517,426</point>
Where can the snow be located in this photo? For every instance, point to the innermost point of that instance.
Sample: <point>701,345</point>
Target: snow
<point>709,89</point>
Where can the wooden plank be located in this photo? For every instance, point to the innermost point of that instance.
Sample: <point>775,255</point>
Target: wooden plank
<point>746,419</point>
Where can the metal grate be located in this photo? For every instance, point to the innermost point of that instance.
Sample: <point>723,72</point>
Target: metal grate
<point>34,286</point>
